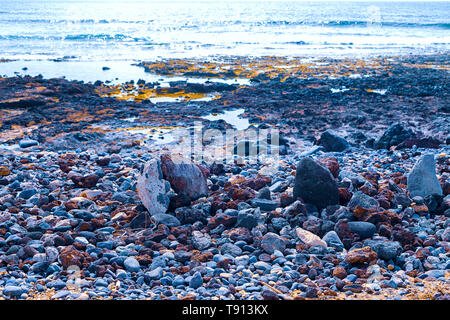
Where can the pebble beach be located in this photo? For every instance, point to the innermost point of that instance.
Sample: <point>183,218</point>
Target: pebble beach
<point>353,202</point>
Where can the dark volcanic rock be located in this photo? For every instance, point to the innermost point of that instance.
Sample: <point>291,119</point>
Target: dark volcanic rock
<point>331,141</point>
<point>363,229</point>
<point>428,142</point>
<point>393,136</point>
<point>315,184</point>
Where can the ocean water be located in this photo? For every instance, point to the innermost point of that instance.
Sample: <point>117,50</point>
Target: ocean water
<point>100,31</point>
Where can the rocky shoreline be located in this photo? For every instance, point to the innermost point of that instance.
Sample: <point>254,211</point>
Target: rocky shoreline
<point>356,205</point>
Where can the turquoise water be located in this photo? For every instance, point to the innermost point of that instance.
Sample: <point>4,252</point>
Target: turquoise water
<point>99,31</point>
<point>117,30</point>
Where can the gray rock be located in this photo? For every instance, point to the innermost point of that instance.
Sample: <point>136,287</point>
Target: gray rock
<point>155,274</point>
<point>200,241</point>
<point>401,199</point>
<point>13,291</point>
<point>264,193</point>
<point>356,179</point>
<point>26,143</point>
<point>332,239</point>
<point>161,261</point>
<point>178,281</point>
<point>27,193</point>
<point>277,186</point>
<point>242,260</point>
<point>57,284</point>
<point>185,178</point>
<point>167,219</point>
<point>261,265</point>
<point>271,242</point>
<point>131,264</point>
<point>247,218</point>
<point>386,250</point>
<point>422,180</point>
<point>360,199</point>
<point>152,189</point>
<point>435,273</point>
<point>332,142</point>
<point>315,184</point>
<point>196,281</point>
<point>82,214</point>
<point>446,234</point>
<point>265,205</point>
<point>231,249</point>
<point>363,229</point>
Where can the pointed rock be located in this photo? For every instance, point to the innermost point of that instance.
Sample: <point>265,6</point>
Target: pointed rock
<point>153,189</point>
<point>422,180</point>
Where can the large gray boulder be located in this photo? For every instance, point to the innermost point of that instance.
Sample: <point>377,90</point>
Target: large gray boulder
<point>315,184</point>
<point>185,178</point>
<point>152,189</point>
<point>422,180</point>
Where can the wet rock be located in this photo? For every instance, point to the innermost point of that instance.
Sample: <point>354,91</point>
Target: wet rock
<point>264,193</point>
<point>185,178</point>
<point>393,136</point>
<point>131,264</point>
<point>315,184</point>
<point>422,180</point>
<point>332,142</point>
<point>13,291</point>
<point>153,189</point>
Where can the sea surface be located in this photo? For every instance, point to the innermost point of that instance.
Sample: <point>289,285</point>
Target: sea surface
<point>87,35</point>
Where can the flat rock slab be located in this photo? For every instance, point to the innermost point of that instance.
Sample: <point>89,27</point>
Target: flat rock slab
<point>153,190</point>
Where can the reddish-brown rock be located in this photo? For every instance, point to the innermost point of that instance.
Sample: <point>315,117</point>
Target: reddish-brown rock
<point>362,255</point>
